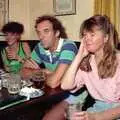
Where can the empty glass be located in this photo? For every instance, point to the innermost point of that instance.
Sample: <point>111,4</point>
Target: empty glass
<point>72,108</point>
<point>4,79</point>
<point>14,83</point>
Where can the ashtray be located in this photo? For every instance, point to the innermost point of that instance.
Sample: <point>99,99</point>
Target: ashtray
<point>31,92</point>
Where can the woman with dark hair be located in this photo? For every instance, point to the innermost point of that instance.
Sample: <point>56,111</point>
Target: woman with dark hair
<point>97,66</point>
<point>15,53</point>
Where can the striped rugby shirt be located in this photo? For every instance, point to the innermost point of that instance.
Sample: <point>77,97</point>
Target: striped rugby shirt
<point>64,53</point>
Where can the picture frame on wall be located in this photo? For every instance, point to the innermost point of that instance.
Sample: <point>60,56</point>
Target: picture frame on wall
<point>64,7</point>
<point>4,15</point>
<point>4,12</point>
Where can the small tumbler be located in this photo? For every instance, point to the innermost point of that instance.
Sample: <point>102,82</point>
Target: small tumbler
<point>72,108</point>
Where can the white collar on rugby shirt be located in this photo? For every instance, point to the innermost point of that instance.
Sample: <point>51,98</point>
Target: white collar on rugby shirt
<point>60,43</point>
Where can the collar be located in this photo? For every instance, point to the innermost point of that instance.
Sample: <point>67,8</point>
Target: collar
<point>60,44</point>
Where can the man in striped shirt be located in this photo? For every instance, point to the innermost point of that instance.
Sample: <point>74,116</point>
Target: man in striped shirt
<point>54,50</point>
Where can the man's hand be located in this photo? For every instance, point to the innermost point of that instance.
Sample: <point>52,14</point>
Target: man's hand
<point>31,64</point>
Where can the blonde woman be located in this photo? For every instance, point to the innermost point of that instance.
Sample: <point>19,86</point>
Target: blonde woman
<point>97,66</point>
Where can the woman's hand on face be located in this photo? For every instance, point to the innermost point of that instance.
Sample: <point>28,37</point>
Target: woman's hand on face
<point>82,50</point>
<point>83,115</point>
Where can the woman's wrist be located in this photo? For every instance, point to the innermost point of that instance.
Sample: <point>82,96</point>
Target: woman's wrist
<point>19,59</point>
<point>22,60</point>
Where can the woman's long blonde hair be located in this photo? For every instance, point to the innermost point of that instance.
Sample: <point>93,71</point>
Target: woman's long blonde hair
<point>107,66</point>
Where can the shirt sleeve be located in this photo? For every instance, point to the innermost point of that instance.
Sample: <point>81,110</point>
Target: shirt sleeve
<point>116,79</point>
<point>36,54</point>
<point>68,52</point>
<point>79,81</point>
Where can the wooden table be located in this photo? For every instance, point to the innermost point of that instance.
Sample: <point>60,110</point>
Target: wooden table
<point>34,108</point>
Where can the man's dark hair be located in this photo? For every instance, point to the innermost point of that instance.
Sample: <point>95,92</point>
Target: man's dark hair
<point>55,22</point>
<point>13,27</point>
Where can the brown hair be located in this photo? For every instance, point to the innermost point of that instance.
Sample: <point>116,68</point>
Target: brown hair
<point>107,66</point>
<point>55,22</point>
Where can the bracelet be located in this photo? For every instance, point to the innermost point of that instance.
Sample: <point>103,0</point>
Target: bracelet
<point>22,60</point>
<point>26,58</point>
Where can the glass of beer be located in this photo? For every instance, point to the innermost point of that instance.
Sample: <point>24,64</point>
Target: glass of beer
<point>38,79</point>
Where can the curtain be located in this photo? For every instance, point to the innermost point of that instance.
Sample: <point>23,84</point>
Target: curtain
<point>118,16</point>
<point>111,8</point>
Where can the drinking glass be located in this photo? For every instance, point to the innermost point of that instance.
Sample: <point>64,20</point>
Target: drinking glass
<point>14,83</point>
<point>72,108</point>
<point>4,79</point>
<point>39,79</point>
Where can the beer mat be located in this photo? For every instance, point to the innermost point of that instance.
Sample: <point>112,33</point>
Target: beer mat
<point>11,100</point>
